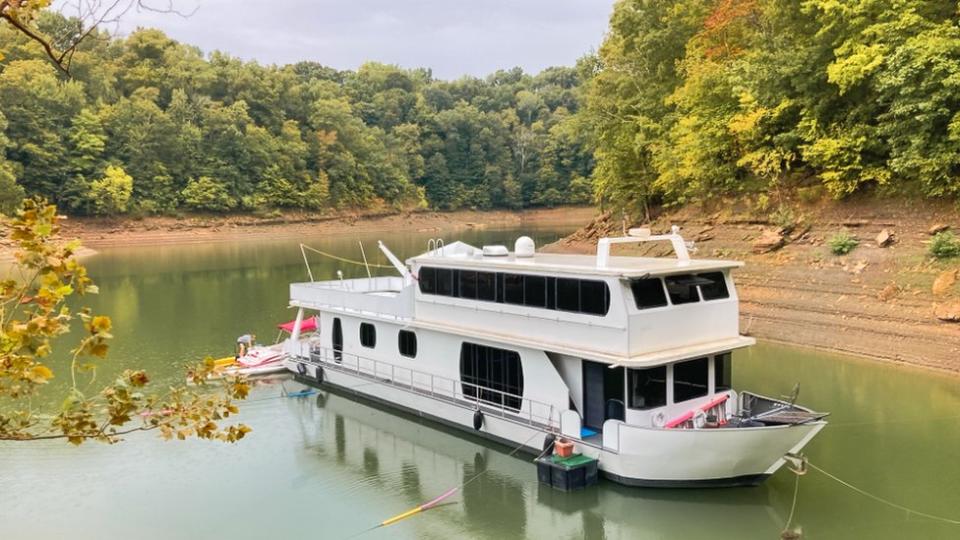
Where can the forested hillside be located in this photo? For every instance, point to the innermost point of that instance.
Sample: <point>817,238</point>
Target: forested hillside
<point>698,98</point>
<point>148,125</point>
<point>686,100</point>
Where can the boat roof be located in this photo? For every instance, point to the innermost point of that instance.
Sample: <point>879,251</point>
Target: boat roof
<point>461,255</point>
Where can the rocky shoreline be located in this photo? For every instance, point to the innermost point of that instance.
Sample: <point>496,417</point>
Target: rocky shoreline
<point>887,299</point>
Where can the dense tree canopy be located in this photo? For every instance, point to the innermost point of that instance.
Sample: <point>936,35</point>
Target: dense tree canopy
<point>698,98</point>
<point>686,100</point>
<point>150,125</point>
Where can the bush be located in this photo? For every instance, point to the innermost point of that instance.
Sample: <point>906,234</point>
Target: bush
<point>206,193</point>
<point>111,194</point>
<point>785,218</point>
<point>945,245</point>
<point>842,243</point>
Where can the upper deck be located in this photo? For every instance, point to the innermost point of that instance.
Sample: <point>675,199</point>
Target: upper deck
<point>622,310</point>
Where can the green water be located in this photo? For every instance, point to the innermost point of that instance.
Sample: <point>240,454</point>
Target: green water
<point>329,467</point>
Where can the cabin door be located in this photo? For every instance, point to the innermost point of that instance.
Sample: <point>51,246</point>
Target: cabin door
<point>602,394</point>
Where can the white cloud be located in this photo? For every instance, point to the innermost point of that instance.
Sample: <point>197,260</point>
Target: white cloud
<point>453,37</point>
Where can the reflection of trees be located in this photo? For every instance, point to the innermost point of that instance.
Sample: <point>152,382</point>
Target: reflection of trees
<point>494,504</point>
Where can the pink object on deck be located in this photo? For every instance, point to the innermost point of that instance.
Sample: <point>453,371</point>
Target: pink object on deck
<point>687,416</point>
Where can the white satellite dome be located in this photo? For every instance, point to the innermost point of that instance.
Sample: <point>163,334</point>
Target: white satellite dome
<point>524,247</point>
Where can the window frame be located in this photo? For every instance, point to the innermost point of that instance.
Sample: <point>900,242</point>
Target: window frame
<point>517,289</point>
<point>689,383</point>
<point>372,335</point>
<point>632,383</point>
<point>663,291</point>
<point>723,283</point>
<point>411,338</point>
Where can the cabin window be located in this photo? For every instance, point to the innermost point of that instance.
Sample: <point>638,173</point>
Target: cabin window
<point>407,343</point>
<point>468,284</point>
<point>535,291</point>
<point>682,289</point>
<point>716,289</point>
<point>721,372</point>
<point>690,379</point>
<point>547,292</point>
<point>513,289</point>
<point>487,286</point>
<point>368,335</point>
<point>492,375</point>
<point>336,339</point>
<point>648,293</point>
<point>444,282</point>
<point>568,294</point>
<point>594,297</point>
<point>648,387</point>
<point>428,280</point>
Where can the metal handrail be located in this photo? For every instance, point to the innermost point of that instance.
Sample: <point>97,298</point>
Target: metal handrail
<point>530,412</point>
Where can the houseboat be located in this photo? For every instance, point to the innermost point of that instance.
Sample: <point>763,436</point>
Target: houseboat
<point>627,357</point>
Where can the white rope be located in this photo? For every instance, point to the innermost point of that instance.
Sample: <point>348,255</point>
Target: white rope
<point>882,500</point>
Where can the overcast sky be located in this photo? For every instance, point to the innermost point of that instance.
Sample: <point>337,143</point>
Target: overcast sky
<point>454,37</point>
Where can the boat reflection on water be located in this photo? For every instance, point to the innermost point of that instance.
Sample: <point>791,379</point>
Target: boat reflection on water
<point>415,460</point>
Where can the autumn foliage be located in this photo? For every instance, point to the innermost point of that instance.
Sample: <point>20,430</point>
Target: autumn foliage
<point>34,314</point>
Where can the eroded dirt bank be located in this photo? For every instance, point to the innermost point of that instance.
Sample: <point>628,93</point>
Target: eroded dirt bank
<point>876,301</point>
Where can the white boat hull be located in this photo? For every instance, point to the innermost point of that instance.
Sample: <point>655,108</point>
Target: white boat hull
<point>630,455</point>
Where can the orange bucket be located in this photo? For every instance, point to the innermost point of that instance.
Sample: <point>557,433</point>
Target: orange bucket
<point>563,448</point>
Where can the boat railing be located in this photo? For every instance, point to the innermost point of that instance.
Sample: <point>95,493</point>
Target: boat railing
<point>357,296</point>
<point>498,403</point>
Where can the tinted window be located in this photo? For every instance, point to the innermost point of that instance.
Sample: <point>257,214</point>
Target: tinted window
<point>486,286</point>
<point>575,295</point>
<point>648,387</point>
<point>721,373</point>
<point>568,294</point>
<point>682,289</point>
<point>407,343</point>
<point>690,379</point>
<point>428,280</point>
<point>716,288</point>
<point>444,282</point>
<point>535,291</point>
<point>468,284</point>
<point>492,375</point>
<point>368,335</point>
<point>513,289</point>
<point>648,293</point>
<point>336,339</point>
<point>594,297</point>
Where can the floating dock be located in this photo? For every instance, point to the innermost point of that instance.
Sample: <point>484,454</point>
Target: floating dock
<point>567,473</point>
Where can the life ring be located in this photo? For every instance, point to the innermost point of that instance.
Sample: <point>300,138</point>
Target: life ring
<point>302,369</point>
<point>548,443</point>
<point>477,420</point>
<point>699,419</point>
<point>319,375</point>
<point>659,420</point>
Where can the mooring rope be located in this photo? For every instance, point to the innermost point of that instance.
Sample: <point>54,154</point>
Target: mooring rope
<point>881,499</point>
<point>344,260</point>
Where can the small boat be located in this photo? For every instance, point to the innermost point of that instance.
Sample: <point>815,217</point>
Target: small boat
<point>254,360</point>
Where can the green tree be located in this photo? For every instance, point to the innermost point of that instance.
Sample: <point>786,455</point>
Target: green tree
<point>206,193</point>
<point>111,194</point>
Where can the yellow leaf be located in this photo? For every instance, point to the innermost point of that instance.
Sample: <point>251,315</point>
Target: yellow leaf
<point>40,373</point>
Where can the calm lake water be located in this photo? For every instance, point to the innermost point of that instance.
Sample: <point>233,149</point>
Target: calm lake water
<point>325,466</point>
